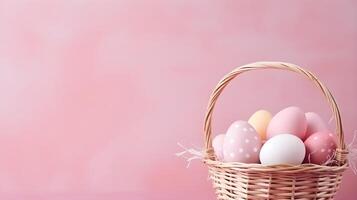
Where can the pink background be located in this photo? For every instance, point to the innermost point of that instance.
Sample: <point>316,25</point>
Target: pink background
<point>96,94</point>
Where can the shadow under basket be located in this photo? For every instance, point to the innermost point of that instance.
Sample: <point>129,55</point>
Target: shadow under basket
<point>233,180</point>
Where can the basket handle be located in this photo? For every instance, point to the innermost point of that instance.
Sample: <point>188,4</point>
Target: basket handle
<point>341,151</point>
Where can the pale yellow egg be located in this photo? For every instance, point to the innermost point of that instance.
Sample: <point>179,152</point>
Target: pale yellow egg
<point>260,121</point>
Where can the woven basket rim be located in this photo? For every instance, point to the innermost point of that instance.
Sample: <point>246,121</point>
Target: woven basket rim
<point>281,168</point>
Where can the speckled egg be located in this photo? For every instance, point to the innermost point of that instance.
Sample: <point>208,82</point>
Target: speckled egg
<point>217,144</point>
<point>320,147</point>
<point>314,124</point>
<point>289,120</point>
<point>241,144</point>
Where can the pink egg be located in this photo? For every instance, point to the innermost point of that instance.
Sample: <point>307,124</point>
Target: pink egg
<point>289,120</point>
<point>314,124</point>
<point>241,144</point>
<point>217,144</point>
<point>320,147</point>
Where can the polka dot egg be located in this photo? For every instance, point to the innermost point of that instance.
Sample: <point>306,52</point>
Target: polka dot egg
<point>241,144</point>
<point>320,147</point>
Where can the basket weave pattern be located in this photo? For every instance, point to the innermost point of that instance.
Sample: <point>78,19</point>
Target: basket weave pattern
<point>233,180</point>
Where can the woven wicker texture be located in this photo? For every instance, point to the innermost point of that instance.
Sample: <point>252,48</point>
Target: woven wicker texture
<point>233,180</point>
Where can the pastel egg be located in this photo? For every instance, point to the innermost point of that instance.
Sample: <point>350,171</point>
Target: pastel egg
<point>241,144</point>
<point>217,144</point>
<point>282,149</point>
<point>320,147</point>
<point>289,120</point>
<point>260,121</point>
<point>314,124</point>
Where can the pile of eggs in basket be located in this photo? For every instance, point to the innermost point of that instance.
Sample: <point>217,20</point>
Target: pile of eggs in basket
<point>290,137</point>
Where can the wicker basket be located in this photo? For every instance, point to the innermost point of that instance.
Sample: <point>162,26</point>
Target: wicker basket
<point>233,180</point>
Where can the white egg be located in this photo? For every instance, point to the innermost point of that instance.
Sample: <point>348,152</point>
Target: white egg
<point>282,149</point>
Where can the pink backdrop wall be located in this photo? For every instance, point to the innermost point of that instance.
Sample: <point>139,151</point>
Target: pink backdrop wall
<point>96,94</point>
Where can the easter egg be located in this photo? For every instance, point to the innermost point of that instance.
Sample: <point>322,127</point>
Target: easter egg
<point>289,120</point>
<point>314,124</point>
<point>241,144</point>
<point>282,149</point>
<point>217,144</point>
<point>260,120</point>
<point>320,147</point>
